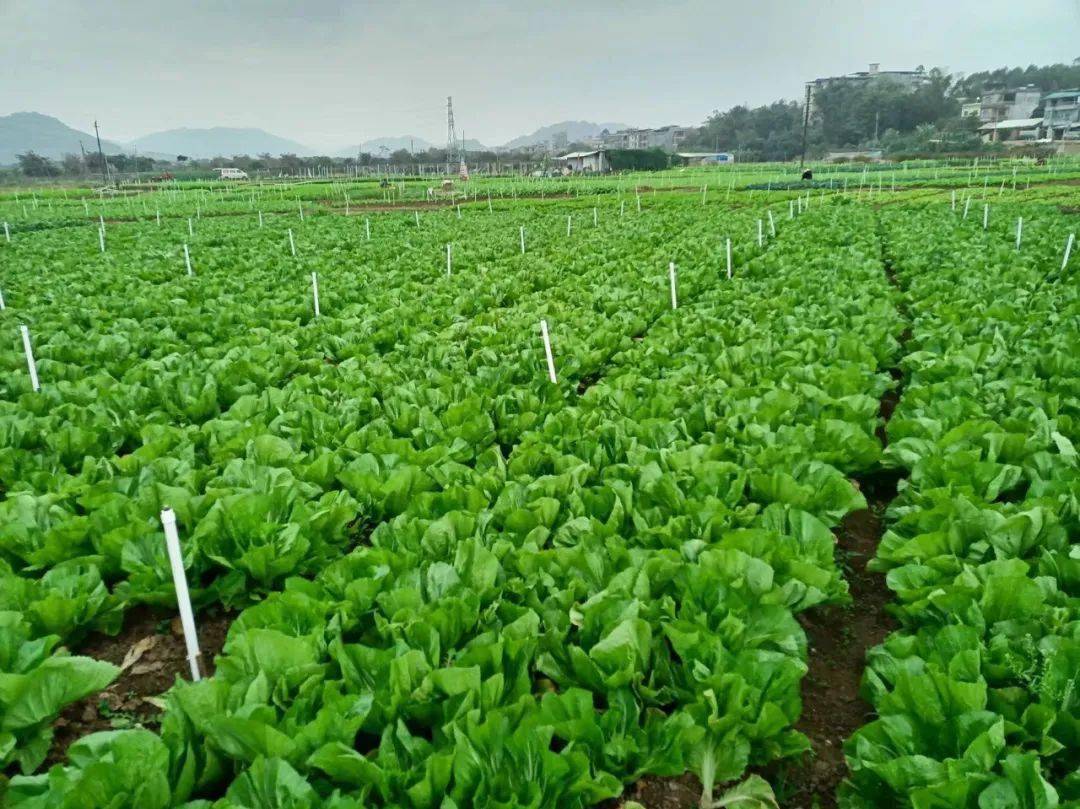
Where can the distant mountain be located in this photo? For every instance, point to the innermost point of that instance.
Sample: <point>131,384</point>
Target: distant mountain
<point>375,146</point>
<point>574,130</point>
<point>31,131</point>
<point>386,146</point>
<point>219,141</point>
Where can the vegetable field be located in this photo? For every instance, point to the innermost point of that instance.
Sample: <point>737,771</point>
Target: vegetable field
<point>548,495</point>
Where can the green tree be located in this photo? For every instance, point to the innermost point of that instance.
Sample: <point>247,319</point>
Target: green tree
<point>34,165</point>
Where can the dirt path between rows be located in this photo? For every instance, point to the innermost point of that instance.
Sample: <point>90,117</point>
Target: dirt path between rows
<point>151,651</point>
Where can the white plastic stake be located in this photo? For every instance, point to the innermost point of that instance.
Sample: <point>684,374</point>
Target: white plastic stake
<point>568,220</point>
<point>2,305</point>
<point>315,292</point>
<point>704,191</point>
<point>30,364</point>
<point>986,216</point>
<point>954,199</point>
<point>521,232</point>
<point>967,205</point>
<point>183,599</point>
<point>1068,250</point>
<point>760,234</point>
<point>671,277</point>
<point>367,228</point>
<point>292,244</point>
<point>300,205</point>
<point>101,239</point>
<point>260,219</point>
<point>158,214</point>
<point>791,209</point>
<point>7,232</point>
<point>772,224</point>
<point>448,259</point>
<point>417,215</point>
<point>187,260</point>
<point>190,230</point>
<point>622,207</point>
<point>489,202</point>
<point>729,259</point>
<point>639,203</point>
<point>1019,230</point>
<point>547,352</point>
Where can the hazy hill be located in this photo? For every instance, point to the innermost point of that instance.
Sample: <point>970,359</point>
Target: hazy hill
<point>575,131</point>
<point>31,131</point>
<point>219,141</point>
<point>393,144</point>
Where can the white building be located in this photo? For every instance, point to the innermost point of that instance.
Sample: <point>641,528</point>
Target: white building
<point>589,162</point>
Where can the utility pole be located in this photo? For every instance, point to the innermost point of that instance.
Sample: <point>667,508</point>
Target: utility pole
<point>451,138</point>
<point>805,124</point>
<point>101,156</point>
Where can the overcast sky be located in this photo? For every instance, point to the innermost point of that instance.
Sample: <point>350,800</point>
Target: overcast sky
<point>331,73</point>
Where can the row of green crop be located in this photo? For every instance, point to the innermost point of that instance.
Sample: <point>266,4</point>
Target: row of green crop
<point>517,631</point>
<point>977,695</point>
<point>192,390</point>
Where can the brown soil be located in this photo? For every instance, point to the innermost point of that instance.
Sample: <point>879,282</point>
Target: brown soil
<point>838,638</point>
<point>654,792</point>
<point>150,649</point>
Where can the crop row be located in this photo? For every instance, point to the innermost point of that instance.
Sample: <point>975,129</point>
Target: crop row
<point>613,595</point>
<point>977,695</point>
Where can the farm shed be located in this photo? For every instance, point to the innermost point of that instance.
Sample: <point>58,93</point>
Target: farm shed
<point>1012,129</point>
<point>594,161</point>
<point>706,158</point>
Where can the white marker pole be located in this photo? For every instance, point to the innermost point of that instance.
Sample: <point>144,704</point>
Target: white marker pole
<point>671,277</point>
<point>489,202</point>
<point>183,599</point>
<point>101,239</point>
<point>292,244</point>
<point>1068,250</point>
<point>547,352</point>
<point>315,292</point>
<point>1019,230</point>
<point>300,205</point>
<point>954,199</point>
<point>7,232</point>
<point>30,364</point>
<point>639,203</point>
<point>772,224</point>
<point>190,230</point>
<point>986,216</point>
<point>417,215</point>
<point>448,259</point>
<point>760,234</point>
<point>521,232</point>
<point>967,205</point>
<point>729,259</point>
<point>2,305</point>
<point>568,220</point>
<point>791,209</point>
<point>187,260</point>
<point>704,191</point>
<point>158,214</point>
<point>622,207</point>
<point>260,219</point>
